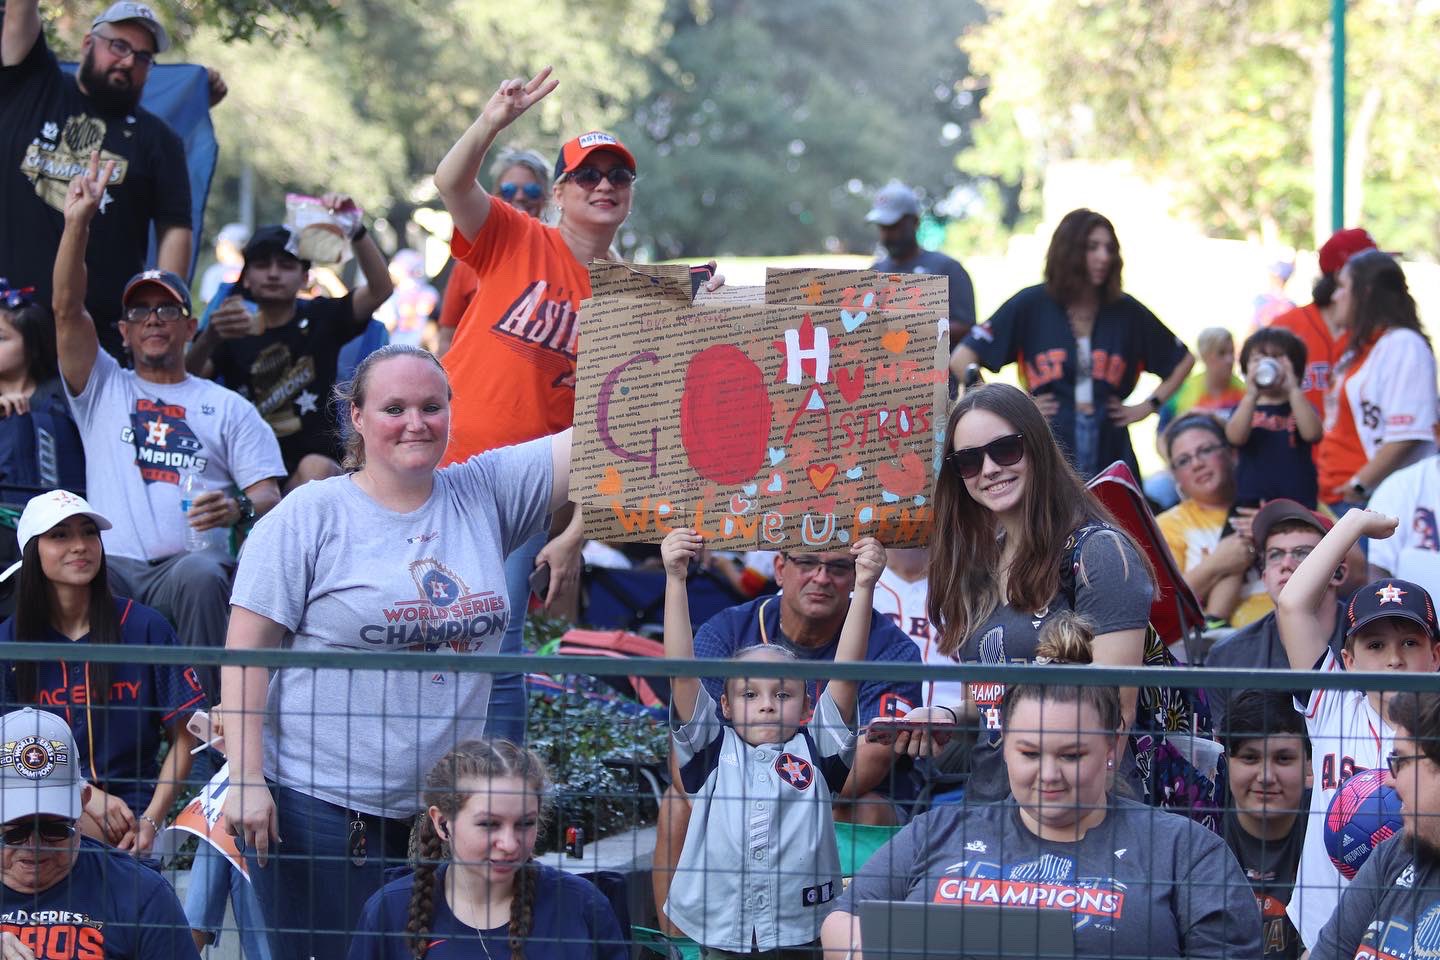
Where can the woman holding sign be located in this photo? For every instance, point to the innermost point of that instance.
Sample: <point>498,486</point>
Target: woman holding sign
<point>1082,344</point>
<point>513,358</point>
<point>397,555</point>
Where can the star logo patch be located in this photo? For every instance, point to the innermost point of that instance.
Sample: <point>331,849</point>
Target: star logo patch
<point>796,771</point>
<point>1389,594</point>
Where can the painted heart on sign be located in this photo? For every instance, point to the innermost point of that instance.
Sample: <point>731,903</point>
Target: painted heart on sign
<point>776,455</point>
<point>777,483</point>
<point>740,505</point>
<point>850,383</point>
<point>851,321</point>
<point>855,473</point>
<point>611,484</point>
<point>895,340</point>
<point>821,475</point>
<point>750,489</point>
<point>906,480</point>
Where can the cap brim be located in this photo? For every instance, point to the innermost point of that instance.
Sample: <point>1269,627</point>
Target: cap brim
<point>1411,615</point>
<point>150,282</point>
<point>20,800</point>
<point>885,218</point>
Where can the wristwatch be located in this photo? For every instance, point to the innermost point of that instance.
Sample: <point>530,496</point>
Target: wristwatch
<point>1359,491</point>
<point>247,509</point>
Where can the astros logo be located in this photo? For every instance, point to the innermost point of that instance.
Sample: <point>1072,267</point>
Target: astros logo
<point>34,758</point>
<point>795,771</point>
<point>1389,594</point>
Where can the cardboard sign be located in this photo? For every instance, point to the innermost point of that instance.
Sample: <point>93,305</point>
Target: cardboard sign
<point>800,417</point>
<point>201,818</point>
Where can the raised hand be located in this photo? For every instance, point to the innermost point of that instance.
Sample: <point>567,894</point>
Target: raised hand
<point>679,547</point>
<point>515,96</point>
<point>87,190</point>
<point>1373,524</point>
<point>869,557</point>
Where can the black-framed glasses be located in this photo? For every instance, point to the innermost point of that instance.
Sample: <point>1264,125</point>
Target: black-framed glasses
<point>1004,451</point>
<point>50,831</point>
<point>531,191</point>
<point>167,312</point>
<point>1396,762</point>
<point>1275,555</point>
<point>809,566</point>
<point>122,49</point>
<point>589,177</point>
<point>1184,460</point>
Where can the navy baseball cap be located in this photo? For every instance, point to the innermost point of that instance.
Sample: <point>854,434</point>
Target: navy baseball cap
<point>272,239</point>
<point>1390,598</point>
<point>165,280</point>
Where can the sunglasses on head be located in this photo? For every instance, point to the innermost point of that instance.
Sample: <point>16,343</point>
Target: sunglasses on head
<point>1004,451</point>
<point>589,177</point>
<point>15,297</point>
<point>532,191</point>
<point>50,831</point>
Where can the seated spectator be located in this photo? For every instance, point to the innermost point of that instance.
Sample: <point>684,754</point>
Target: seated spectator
<point>1138,881</point>
<point>1390,626</point>
<point>1285,534</point>
<point>1390,907</point>
<point>1413,495</point>
<point>777,903</point>
<point>1208,535</point>
<point>1215,389</point>
<point>1274,426</point>
<point>1267,756</point>
<point>288,368</point>
<point>408,312</point>
<point>120,713</point>
<point>229,259</point>
<point>60,888</point>
<point>39,443</point>
<point>476,879</point>
<point>145,428</point>
<point>805,619</point>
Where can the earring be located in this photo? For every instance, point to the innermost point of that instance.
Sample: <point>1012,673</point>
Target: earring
<point>1109,764</point>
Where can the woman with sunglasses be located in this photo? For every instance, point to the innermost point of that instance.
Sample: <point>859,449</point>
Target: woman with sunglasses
<point>1017,540</point>
<point>1082,344</point>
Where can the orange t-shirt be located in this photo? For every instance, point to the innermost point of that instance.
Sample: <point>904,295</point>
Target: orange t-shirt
<point>1322,351</point>
<point>459,291</point>
<point>512,364</point>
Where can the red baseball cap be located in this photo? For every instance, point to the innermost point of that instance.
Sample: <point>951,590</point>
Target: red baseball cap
<point>1343,245</point>
<point>574,152</point>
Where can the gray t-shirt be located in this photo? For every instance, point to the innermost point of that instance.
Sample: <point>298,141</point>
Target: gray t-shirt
<point>1112,591</point>
<point>1142,883</point>
<point>1390,911</point>
<point>341,572</point>
<point>141,437</point>
<point>962,290</point>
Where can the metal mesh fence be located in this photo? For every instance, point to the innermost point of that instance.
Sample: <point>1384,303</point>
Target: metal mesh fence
<point>393,827</point>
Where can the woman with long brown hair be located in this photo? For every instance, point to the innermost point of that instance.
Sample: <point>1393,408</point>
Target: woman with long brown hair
<point>475,880</point>
<point>1017,540</point>
<point>1082,344</point>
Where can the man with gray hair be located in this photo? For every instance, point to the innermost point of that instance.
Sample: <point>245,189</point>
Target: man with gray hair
<point>62,894</point>
<point>897,213</point>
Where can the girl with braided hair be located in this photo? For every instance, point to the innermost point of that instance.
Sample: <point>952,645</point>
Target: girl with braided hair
<point>475,880</point>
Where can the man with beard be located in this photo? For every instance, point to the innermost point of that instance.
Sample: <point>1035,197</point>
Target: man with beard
<point>897,214</point>
<point>1392,907</point>
<point>50,123</point>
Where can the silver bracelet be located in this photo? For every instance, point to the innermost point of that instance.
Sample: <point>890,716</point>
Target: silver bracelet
<point>147,818</point>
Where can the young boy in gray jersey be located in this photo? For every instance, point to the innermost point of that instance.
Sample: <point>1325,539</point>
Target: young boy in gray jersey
<point>760,862</point>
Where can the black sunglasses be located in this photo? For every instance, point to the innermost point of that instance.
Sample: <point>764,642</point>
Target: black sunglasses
<point>1396,762</point>
<point>589,177</point>
<point>532,191</point>
<point>1005,451</point>
<point>50,831</point>
<point>167,312</point>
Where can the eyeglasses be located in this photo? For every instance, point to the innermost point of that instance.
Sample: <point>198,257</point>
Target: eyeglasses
<point>589,177</point>
<point>1275,555</point>
<point>1183,461</point>
<point>532,191</point>
<point>809,566</point>
<point>1396,762</point>
<point>50,831</point>
<point>122,49</point>
<point>1003,451</point>
<point>167,312</point>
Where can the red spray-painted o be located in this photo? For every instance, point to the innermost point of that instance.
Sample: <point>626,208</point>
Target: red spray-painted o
<point>724,415</point>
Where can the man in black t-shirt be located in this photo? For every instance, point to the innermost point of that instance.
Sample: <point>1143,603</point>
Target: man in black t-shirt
<point>281,353</point>
<point>49,125</point>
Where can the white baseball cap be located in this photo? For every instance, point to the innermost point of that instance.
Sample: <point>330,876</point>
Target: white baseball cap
<point>39,770</point>
<point>46,510</point>
<point>137,13</point>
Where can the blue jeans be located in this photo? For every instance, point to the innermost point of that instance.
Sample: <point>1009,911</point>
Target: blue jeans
<point>508,702</point>
<point>309,889</point>
<point>1087,444</point>
<point>212,880</point>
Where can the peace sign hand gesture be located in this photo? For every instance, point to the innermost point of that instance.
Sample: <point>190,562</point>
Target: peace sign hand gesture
<point>87,190</point>
<point>515,96</point>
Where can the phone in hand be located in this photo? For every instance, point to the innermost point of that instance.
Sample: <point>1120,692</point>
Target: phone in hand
<point>540,581</point>
<point>886,730</point>
<point>200,727</point>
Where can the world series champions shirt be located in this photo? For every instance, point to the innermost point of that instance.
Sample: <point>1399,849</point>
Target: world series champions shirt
<point>1031,330</point>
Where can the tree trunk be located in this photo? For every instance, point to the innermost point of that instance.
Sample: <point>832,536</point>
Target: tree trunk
<point>1357,154</point>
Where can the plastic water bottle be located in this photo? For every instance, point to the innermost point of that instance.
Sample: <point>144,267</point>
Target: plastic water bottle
<point>191,486</point>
